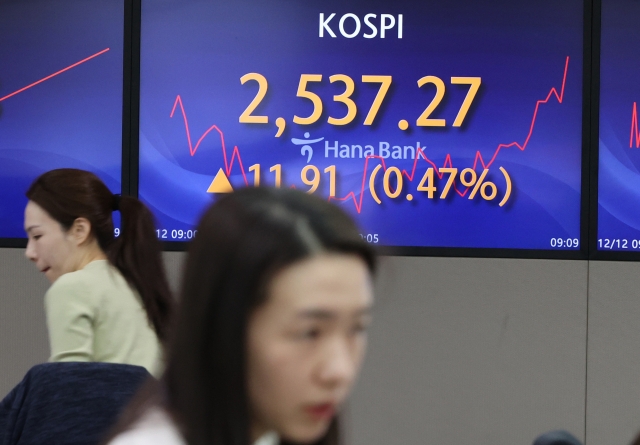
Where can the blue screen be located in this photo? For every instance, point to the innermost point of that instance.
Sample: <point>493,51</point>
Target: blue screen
<point>60,95</point>
<point>435,124</point>
<point>619,144</point>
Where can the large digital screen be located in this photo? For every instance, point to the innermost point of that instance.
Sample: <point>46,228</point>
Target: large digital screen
<point>435,124</point>
<point>61,80</point>
<point>619,141</point>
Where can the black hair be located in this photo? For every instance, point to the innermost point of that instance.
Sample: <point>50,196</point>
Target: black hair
<point>242,241</point>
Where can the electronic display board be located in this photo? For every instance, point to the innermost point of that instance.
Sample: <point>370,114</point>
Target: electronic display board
<point>61,83</point>
<point>435,124</point>
<point>618,227</point>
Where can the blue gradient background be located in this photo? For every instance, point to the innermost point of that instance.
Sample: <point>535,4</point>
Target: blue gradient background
<point>71,120</point>
<point>619,165</point>
<point>200,49</point>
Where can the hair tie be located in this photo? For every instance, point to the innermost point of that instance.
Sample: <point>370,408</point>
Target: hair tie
<point>116,203</point>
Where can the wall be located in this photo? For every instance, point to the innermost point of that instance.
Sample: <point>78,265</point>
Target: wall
<point>482,351</point>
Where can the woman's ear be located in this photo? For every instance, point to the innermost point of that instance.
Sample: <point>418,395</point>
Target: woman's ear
<point>80,230</point>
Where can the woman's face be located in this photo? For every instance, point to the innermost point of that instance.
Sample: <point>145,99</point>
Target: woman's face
<point>48,246</point>
<point>306,344</point>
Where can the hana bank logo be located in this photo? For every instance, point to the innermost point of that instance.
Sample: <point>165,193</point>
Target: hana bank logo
<point>306,149</point>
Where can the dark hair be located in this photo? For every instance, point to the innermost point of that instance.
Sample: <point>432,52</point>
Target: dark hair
<point>242,241</point>
<point>67,194</point>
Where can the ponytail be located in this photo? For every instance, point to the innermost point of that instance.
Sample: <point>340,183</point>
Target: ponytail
<point>138,256</point>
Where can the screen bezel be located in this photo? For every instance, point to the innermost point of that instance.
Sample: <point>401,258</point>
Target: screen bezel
<point>581,254</point>
<point>588,220</point>
<point>129,125</point>
<point>594,253</point>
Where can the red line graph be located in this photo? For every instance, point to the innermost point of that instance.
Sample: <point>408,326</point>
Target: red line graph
<point>54,74</point>
<point>193,149</point>
<point>634,127</point>
<point>228,165</point>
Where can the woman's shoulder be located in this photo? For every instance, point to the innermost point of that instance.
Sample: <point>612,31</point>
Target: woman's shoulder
<point>88,285</point>
<point>98,274</point>
<point>79,281</point>
<point>87,275</point>
<point>71,283</point>
<point>154,428</point>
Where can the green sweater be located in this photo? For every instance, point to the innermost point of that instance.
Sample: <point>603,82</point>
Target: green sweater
<point>93,315</point>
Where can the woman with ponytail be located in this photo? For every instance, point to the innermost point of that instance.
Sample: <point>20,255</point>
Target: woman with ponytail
<point>109,300</point>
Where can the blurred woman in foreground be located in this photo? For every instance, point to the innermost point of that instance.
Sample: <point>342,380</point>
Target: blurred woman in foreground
<point>271,331</point>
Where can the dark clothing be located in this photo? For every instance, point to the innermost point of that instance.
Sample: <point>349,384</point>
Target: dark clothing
<point>556,438</point>
<point>67,403</point>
